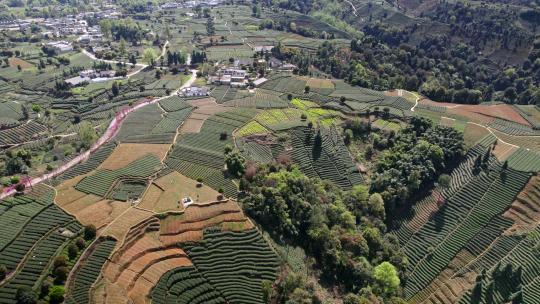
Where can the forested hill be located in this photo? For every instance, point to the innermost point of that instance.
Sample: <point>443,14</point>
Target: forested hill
<point>464,52</point>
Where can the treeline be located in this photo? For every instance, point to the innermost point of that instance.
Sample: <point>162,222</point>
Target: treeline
<point>343,230</point>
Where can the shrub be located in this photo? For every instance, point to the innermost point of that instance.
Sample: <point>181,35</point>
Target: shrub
<point>3,272</point>
<point>89,232</point>
<point>73,250</point>
<point>56,295</point>
<point>25,295</point>
<point>45,287</point>
<point>223,136</point>
<point>80,243</point>
<point>20,187</point>
<point>60,261</point>
<point>61,274</point>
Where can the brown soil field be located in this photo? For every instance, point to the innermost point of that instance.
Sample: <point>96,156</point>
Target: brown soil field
<point>119,228</point>
<point>143,286</point>
<point>177,187</point>
<point>528,142</point>
<point>429,102</point>
<point>525,210</point>
<point>189,225</point>
<point>503,111</point>
<point>204,108</point>
<point>393,93</point>
<point>474,133</point>
<point>319,83</point>
<point>66,193</point>
<point>197,212</point>
<point>503,150</point>
<point>191,126</point>
<point>111,293</point>
<point>137,266</point>
<point>14,62</point>
<point>126,153</point>
<point>101,213</point>
<point>471,116</point>
<point>150,198</point>
<point>447,122</point>
<point>166,193</point>
<point>87,208</point>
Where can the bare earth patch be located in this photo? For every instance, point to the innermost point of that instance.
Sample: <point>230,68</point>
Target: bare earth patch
<point>473,133</point>
<point>120,227</point>
<point>126,153</point>
<point>502,111</point>
<point>503,150</point>
<point>204,108</point>
<point>14,62</point>
<point>447,122</point>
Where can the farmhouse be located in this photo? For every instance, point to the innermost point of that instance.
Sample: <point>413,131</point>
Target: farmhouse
<point>263,48</point>
<point>61,46</point>
<point>259,81</point>
<point>78,80</point>
<point>194,91</point>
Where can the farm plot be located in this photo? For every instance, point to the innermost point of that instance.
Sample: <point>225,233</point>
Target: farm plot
<point>173,104</point>
<point>387,125</point>
<point>171,121</point>
<point>15,214</point>
<point>512,128</point>
<point>124,154</point>
<point>35,268</point>
<point>281,119</point>
<point>204,108</point>
<point>166,193</point>
<point>222,53</point>
<point>189,225</point>
<point>212,177</point>
<point>236,270</point>
<point>88,271</point>
<point>508,280</point>
<point>422,211</point>
<point>464,215</point>
<point>254,150</point>
<point>132,128</point>
<point>330,160</point>
<point>196,151</point>
<point>251,128</point>
<point>100,183</point>
<point>500,111</point>
<point>321,86</point>
<point>10,112</point>
<point>23,133</point>
<point>185,285</point>
<point>139,263</point>
<point>262,99</point>
<point>33,249</point>
<point>87,208</point>
<point>289,84</point>
<point>524,210</point>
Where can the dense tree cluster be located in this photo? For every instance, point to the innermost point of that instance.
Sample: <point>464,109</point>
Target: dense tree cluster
<point>415,157</point>
<point>456,63</point>
<point>344,231</point>
<point>125,29</point>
